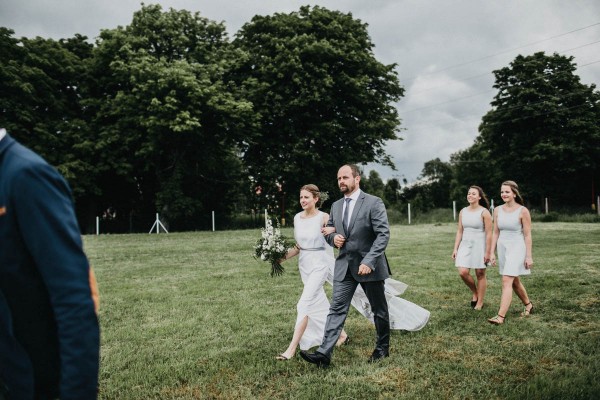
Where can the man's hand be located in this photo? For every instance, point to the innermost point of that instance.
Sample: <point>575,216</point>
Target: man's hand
<point>364,269</point>
<point>339,241</point>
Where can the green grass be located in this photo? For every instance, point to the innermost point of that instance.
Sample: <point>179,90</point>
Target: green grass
<point>194,316</point>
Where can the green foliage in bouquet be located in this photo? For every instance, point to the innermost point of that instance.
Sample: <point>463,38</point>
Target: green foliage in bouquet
<point>272,247</point>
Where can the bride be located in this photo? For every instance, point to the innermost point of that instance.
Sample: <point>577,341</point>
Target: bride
<point>316,262</point>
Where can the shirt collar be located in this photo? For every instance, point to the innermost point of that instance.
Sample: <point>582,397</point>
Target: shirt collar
<point>2,133</point>
<point>354,195</point>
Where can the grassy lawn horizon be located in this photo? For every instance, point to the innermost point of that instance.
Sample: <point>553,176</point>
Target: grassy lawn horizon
<point>194,316</point>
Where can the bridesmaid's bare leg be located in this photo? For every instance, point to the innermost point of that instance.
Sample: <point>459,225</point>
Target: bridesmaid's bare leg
<point>481,287</point>
<point>468,280</point>
<point>522,293</point>
<point>507,292</point>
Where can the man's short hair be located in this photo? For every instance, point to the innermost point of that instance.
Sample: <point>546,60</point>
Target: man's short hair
<point>355,170</point>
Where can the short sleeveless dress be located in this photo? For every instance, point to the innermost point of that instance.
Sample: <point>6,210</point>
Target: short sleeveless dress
<point>511,243</point>
<point>471,249</point>
<point>315,263</point>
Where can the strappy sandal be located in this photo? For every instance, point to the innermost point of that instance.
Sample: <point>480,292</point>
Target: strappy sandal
<point>496,320</point>
<point>526,312</point>
<point>281,357</point>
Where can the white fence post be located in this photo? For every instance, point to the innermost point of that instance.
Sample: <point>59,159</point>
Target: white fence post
<point>158,225</point>
<point>454,210</point>
<point>409,213</point>
<point>546,201</point>
<point>598,204</point>
<point>213,221</point>
<point>266,217</point>
<point>97,226</point>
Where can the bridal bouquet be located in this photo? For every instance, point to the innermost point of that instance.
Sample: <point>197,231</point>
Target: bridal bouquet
<point>272,247</point>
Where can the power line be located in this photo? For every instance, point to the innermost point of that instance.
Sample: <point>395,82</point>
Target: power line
<point>413,93</point>
<point>512,119</point>
<point>488,73</point>
<point>487,91</point>
<point>539,114</point>
<point>505,51</point>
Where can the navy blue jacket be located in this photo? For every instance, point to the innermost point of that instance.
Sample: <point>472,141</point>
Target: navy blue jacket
<point>49,333</point>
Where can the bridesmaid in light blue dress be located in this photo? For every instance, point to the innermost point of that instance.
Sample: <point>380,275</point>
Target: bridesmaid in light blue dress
<point>512,238</point>
<point>472,245</point>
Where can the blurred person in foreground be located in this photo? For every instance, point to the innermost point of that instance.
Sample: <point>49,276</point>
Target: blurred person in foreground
<point>49,333</point>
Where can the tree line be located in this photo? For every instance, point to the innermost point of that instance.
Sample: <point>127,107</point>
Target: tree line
<point>169,115</point>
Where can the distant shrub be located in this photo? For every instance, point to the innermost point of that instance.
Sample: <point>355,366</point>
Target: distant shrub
<point>552,216</point>
<point>565,216</point>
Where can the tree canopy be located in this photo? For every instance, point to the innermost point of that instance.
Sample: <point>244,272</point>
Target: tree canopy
<point>166,121</point>
<point>166,114</point>
<point>542,132</point>
<point>42,83</point>
<point>321,97</point>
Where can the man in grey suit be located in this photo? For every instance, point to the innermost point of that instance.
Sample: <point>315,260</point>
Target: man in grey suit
<point>361,233</point>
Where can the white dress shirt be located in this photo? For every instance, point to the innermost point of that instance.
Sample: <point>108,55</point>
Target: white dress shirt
<point>2,133</point>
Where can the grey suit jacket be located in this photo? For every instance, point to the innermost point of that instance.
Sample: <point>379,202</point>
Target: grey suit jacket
<point>368,236</point>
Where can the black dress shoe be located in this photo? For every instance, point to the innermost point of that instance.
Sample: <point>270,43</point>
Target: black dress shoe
<point>317,358</point>
<point>378,355</point>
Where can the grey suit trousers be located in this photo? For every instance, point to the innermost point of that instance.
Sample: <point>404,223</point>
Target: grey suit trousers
<point>340,304</point>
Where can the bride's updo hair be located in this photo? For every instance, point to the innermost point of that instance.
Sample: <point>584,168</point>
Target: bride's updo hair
<point>314,190</point>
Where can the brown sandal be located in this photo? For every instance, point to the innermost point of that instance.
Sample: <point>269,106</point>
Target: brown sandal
<point>496,320</point>
<point>526,312</point>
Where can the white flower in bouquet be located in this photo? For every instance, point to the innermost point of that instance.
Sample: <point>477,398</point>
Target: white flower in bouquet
<point>272,247</point>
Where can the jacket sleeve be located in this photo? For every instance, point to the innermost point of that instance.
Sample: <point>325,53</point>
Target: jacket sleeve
<point>49,227</point>
<point>329,238</point>
<point>381,229</point>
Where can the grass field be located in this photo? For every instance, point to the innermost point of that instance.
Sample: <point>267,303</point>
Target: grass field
<point>194,316</point>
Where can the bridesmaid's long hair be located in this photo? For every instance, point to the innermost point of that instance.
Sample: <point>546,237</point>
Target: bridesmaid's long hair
<point>515,189</point>
<point>314,190</point>
<point>483,201</point>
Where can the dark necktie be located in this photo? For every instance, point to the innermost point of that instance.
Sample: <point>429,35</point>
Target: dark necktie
<point>346,212</point>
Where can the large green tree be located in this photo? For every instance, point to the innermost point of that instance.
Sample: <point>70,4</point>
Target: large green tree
<point>321,96</point>
<point>42,84</point>
<point>166,120</point>
<point>543,132</point>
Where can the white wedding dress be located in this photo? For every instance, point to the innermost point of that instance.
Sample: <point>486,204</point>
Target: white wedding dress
<point>316,262</point>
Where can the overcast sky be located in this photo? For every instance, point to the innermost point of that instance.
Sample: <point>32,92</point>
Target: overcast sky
<point>445,50</point>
